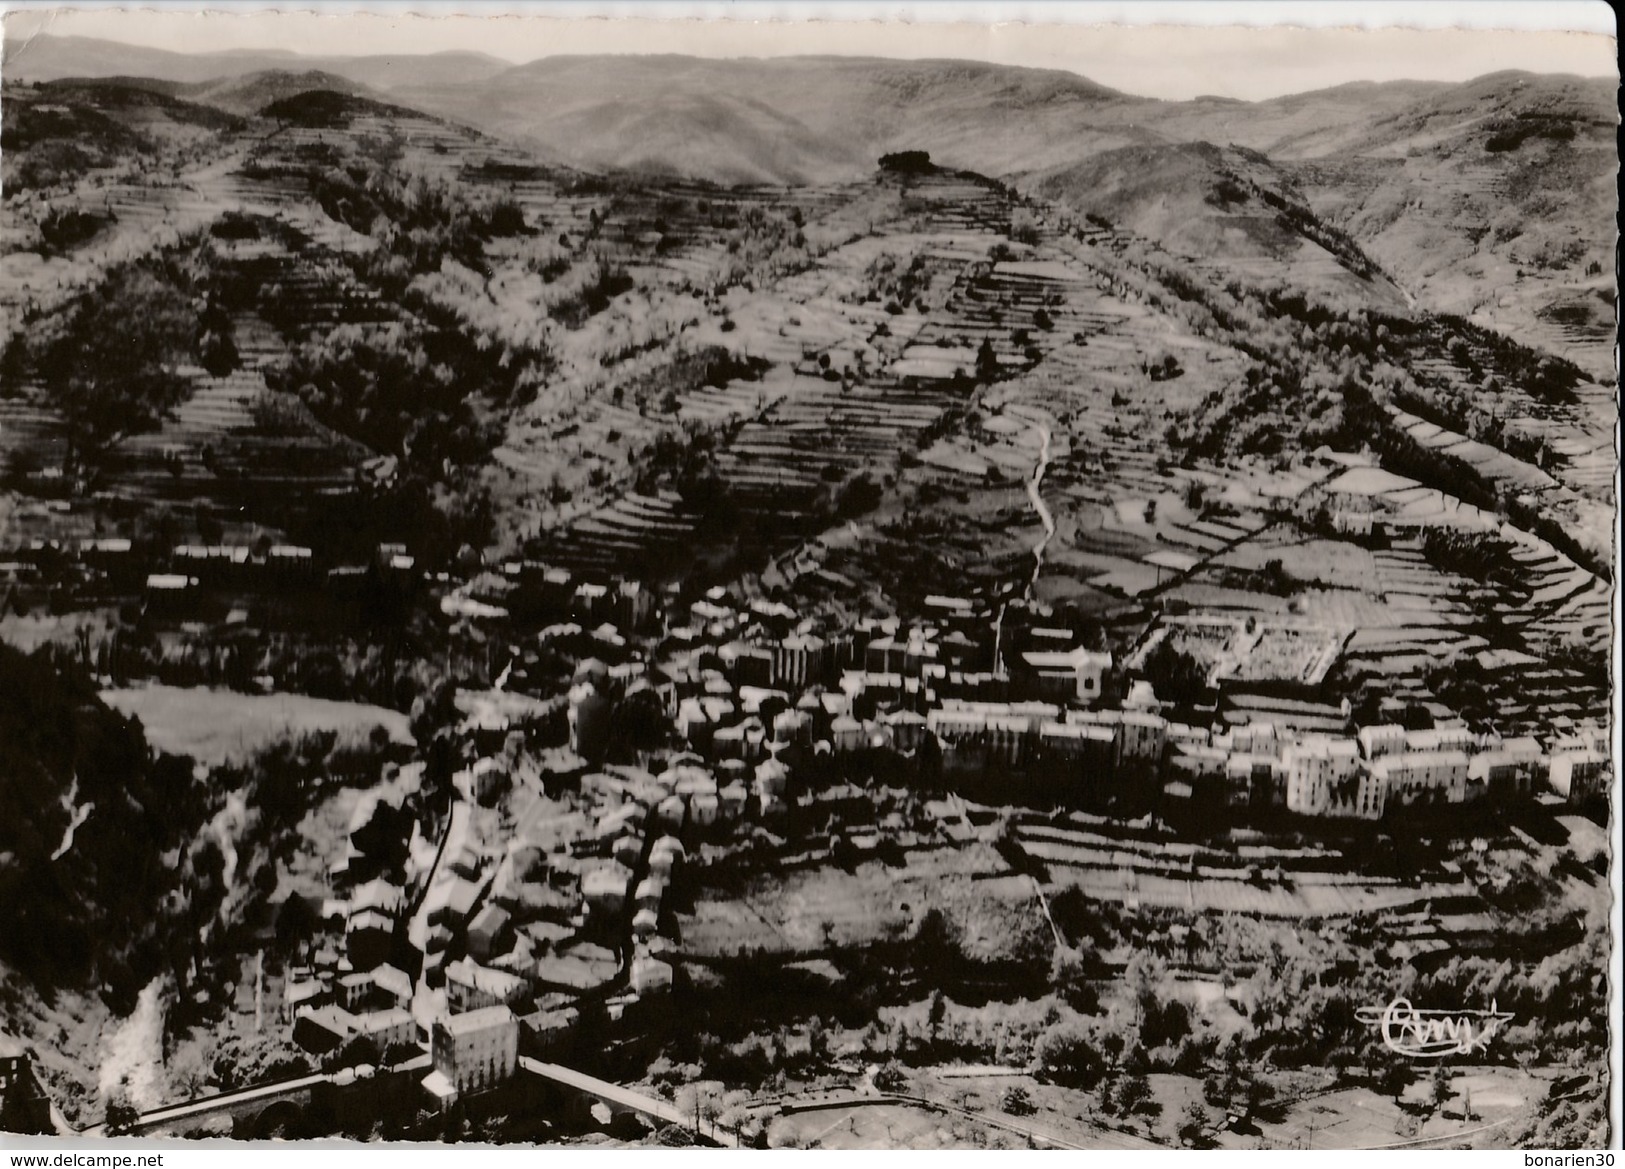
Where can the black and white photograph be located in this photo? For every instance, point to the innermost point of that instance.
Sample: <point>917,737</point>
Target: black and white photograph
<point>629,581</point>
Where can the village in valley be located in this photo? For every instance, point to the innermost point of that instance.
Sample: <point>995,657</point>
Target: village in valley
<point>909,658</point>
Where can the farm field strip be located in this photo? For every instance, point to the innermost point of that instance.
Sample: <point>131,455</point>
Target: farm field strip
<point>1236,896</point>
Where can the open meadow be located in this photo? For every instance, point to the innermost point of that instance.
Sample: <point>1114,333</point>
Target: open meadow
<point>214,726</point>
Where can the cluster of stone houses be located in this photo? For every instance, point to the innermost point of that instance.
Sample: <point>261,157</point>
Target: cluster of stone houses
<point>197,581</point>
<point>508,933</point>
<point>746,683</point>
<point>512,928</point>
<point>194,573</point>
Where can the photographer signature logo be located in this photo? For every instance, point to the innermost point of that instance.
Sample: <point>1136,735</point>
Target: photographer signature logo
<point>1421,1034</point>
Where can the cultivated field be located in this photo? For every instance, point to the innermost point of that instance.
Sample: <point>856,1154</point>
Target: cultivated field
<point>214,726</point>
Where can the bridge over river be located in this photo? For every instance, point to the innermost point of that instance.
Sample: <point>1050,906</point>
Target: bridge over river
<point>264,1109</point>
<point>618,1100</point>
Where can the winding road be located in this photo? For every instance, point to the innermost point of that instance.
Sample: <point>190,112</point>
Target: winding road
<point>1039,506</point>
<point>1034,482</point>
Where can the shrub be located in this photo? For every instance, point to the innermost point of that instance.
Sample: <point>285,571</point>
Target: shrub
<point>1066,1054</point>
<point>1193,1125</point>
<point>1017,1101</point>
<point>859,496</point>
<point>890,1078</point>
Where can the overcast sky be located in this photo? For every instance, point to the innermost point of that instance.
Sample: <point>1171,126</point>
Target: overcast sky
<point>1180,56</point>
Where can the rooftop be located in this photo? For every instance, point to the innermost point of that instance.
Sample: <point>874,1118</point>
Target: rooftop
<point>480,1020</point>
<point>484,978</point>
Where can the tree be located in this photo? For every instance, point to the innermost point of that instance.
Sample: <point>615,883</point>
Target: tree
<point>358,1050</point>
<point>1439,1092</point>
<point>398,1053</point>
<point>1276,579</point>
<point>1017,1101</point>
<point>433,710</point>
<point>890,1078</point>
<point>1175,675</point>
<point>987,362</point>
<point>1236,1088</point>
<point>936,942</point>
<point>1066,1055</point>
<point>1069,975</point>
<point>858,497</point>
<point>703,1102</point>
<point>114,371</point>
<point>1134,1095</point>
<point>1392,1076</point>
<point>1194,1123</point>
<point>121,1115</point>
<point>935,1013</point>
<point>295,922</point>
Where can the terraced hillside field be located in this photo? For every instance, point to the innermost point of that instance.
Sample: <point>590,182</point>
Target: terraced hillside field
<point>1052,391</point>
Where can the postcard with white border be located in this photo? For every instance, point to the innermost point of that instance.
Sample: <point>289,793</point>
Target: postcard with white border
<point>626,580</point>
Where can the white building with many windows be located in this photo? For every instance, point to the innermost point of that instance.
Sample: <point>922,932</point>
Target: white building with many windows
<point>1413,777</point>
<point>1326,777</point>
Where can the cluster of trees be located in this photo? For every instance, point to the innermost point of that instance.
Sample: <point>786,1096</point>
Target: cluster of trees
<point>97,906</point>
<point>1298,217</point>
<point>408,389</point>
<point>1549,127</point>
<point>1297,991</point>
<point>113,361</point>
<point>908,162</point>
<point>661,389</point>
<point>606,280</point>
<point>1318,368</point>
<point>48,143</point>
<point>1165,370</point>
<point>321,109</point>
<point>1477,416</point>
<point>1478,557</point>
<point>464,360</point>
<point>765,244</point>
<point>896,284</point>
<point>258,805</point>
<point>63,229</point>
<point>420,221</point>
<point>685,461</point>
<point>1472,347</point>
<point>1225,192</point>
<point>1175,674</point>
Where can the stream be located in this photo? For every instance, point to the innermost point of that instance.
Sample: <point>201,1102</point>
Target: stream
<point>77,814</point>
<point>133,1063</point>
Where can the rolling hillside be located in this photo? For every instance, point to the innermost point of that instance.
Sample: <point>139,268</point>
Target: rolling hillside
<point>252,92</point>
<point>1452,189</point>
<point>791,120</point>
<point>51,58</point>
<point>1493,200</point>
<point>1228,210</point>
<point>1488,201</point>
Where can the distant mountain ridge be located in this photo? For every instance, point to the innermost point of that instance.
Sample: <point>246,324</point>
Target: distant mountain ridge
<point>803,119</point>
<point>1456,190</point>
<point>243,94</point>
<point>50,58</point>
